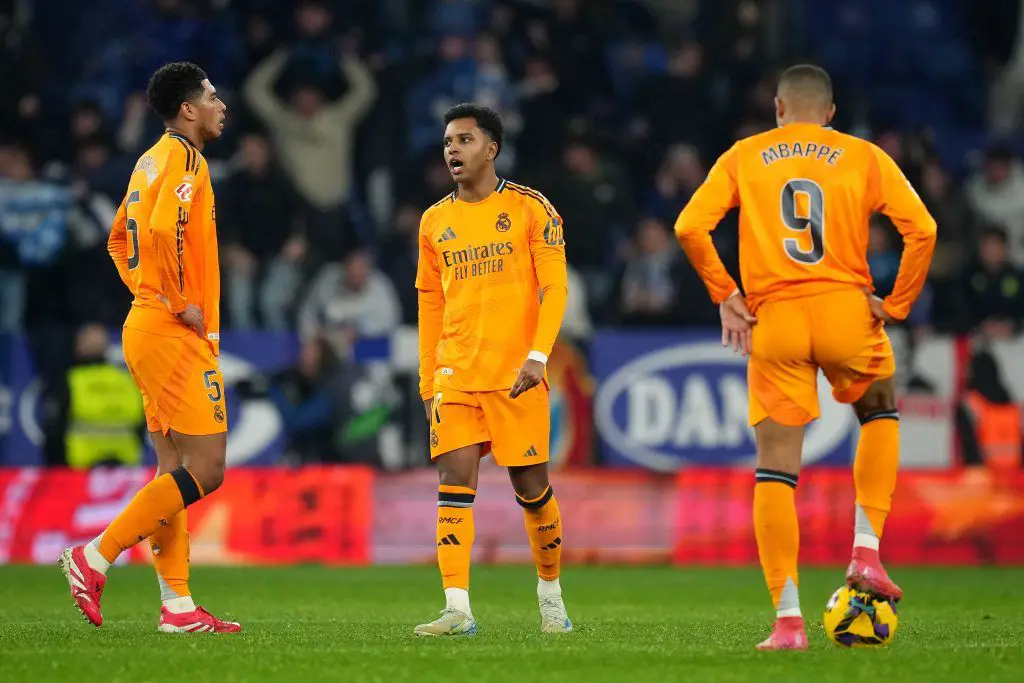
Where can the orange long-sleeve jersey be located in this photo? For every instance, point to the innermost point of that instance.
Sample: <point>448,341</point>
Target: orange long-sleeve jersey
<point>806,193</point>
<point>164,240</point>
<point>492,288</point>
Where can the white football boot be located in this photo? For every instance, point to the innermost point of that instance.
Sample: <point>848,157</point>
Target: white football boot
<point>452,622</point>
<point>553,618</point>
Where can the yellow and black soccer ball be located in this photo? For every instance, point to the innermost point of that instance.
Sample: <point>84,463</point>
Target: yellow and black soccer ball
<point>855,619</point>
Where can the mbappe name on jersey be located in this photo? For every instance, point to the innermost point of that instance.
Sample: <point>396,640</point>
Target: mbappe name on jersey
<point>798,150</point>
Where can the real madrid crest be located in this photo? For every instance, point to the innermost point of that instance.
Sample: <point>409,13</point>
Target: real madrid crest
<point>504,223</point>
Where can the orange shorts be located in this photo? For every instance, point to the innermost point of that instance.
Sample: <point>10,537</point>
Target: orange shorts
<point>516,431</point>
<point>793,338</point>
<point>182,388</point>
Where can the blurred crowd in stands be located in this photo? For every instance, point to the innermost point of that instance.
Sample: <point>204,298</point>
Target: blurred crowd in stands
<point>614,109</point>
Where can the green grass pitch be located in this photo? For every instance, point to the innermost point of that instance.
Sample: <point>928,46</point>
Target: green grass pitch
<point>309,624</point>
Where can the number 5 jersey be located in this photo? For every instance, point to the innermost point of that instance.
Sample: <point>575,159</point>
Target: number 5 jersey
<point>164,240</point>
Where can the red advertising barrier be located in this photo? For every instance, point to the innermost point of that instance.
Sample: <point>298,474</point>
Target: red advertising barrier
<point>614,517</point>
<point>968,516</point>
<point>350,515</point>
<point>259,516</point>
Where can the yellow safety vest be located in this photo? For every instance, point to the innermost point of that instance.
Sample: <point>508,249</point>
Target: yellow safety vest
<point>998,431</point>
<point>104,417</point>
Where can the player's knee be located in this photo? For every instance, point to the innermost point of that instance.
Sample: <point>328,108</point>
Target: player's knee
<point>453,471</point>
<point>208,473</point>
<point>778,446</point>
<point>168,462</point>
<point>879,398</point>
<point>459,467</point>
<point>530,481</point>
<point>454,478</point>
<point>210,477</point>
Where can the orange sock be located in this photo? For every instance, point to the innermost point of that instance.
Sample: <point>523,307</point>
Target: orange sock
<point>544,527</point>
<point>455,533</point>
<point>151,508</point>
<point>169,544</point>
<point>778,537</point>
<point>874,475</point>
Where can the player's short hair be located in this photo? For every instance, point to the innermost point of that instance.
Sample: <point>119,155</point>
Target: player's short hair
<point>486,118</point>
<point>807,82</point>
<point>173,84</point>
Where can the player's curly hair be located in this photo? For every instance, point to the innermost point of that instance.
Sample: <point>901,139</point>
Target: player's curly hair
<point>487,120</point>
<point>173,84</point>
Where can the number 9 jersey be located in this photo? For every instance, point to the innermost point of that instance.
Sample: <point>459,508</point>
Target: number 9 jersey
<point>806,193</point>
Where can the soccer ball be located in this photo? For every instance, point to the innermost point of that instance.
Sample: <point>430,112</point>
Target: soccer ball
<point>855,619</point>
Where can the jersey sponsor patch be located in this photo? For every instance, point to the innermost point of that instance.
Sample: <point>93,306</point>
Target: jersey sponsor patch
<point>184,192</point>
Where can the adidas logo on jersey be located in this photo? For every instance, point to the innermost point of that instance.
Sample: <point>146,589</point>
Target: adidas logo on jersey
<point>448,234</point>
<point>531,452</point>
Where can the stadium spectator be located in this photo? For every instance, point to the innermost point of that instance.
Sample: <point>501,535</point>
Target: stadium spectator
<point>576,324</point>
<point>592,195</point>
<point>883,255</point>
<point>657,286</point>
<point>988,419</point>
<point>543,105</point>
<point>330,407</point>
<point>493,87</point>
<point>997,38</point>
<point>313,137</point>
<point>307,408</point>
<point>466,72</point>
<point>680,174</point>
<point>86,122</point>
<point>33,229</point>
<point>996,195</point>
<point>946,204</point>
<point>884,263</point>
<point>99,167</point>
<point>349,300</point>
<point>99,409</point>
<point>137,125</point>
<point>398,259</point>
<point>656,105</point>
<point>259,215</point>
<point>450,82</point>
<point>571,34</point>
<point>994,288</point>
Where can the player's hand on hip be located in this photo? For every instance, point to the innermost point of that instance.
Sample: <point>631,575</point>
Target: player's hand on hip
<point>878,310</point>
<point>530,375</point>
<point>193,317</point>
<point>737,323</point>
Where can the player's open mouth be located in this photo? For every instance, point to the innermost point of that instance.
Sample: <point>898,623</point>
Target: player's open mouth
<point>455,166</point>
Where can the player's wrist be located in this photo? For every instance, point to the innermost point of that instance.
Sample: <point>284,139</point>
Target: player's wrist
<point>889,309</point>
<point>538,356</point>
